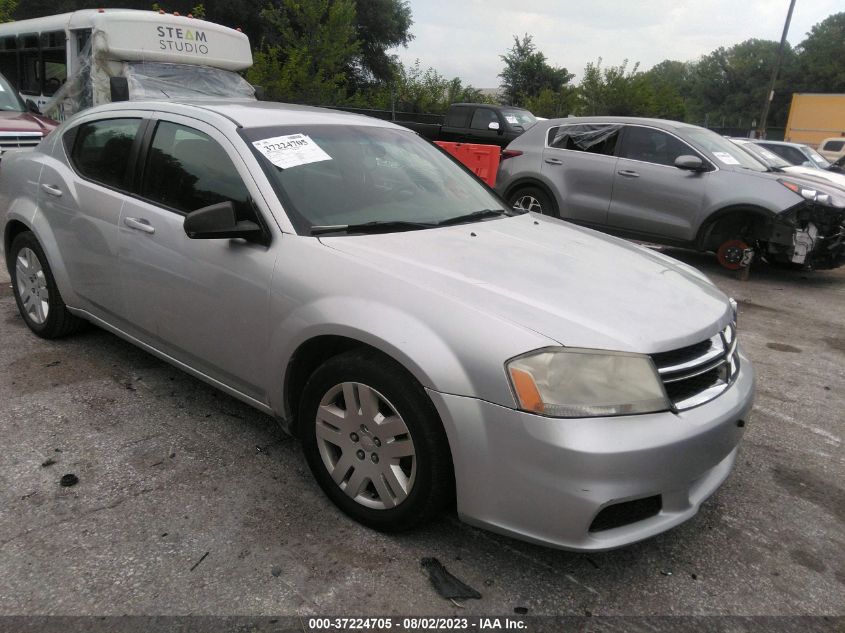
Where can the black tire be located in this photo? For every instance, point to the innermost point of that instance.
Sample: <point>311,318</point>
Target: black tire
<point>58,322</point>
<point>523,195</point>
<point>432,485</point>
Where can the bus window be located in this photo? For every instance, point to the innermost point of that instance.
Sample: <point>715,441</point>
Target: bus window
<point>54,58</point>
<point>30,78</point>
<point>9,59</point>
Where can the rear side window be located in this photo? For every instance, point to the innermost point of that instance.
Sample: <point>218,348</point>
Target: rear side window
<point>482,119</point>
<point>652,146</point>
<point>590,138</point>
<point>101,149</point>
<point>187,170</point>
<point>458,116</point>
<point>789,154</point>
<point>834,146</point>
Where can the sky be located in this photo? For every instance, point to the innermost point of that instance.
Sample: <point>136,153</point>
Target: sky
<point>464,38</point>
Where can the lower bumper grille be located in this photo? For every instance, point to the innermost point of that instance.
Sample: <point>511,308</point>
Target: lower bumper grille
<point>698,373</point>
<point>625,513</point>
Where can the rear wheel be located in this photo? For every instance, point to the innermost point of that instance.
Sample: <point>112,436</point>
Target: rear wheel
<point>36,294</point>
<point>374,442</point>
<point>533,199</point>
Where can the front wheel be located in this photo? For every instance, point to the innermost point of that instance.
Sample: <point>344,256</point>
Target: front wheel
<point>374,442</point>
<point>532,199</point>
<point>36,293</point>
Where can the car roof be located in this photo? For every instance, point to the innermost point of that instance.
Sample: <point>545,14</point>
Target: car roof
<point>248,113</point>
<point>664,124</point>
<point>787,143</point>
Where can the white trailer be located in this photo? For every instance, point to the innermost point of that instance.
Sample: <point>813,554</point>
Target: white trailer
<point>65,63</point>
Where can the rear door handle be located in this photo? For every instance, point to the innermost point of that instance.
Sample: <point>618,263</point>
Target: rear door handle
<point>53,190</point>
<point>139,224</point>
<point>554,161</point>
<point>628,173</point>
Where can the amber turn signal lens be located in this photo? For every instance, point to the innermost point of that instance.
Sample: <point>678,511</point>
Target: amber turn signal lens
<point>526,391</point>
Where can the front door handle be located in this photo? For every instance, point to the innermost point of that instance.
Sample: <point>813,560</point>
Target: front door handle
<point>139,224</point>
<point>53,190</point>
<point>628,173</point>
<point>554,161</point>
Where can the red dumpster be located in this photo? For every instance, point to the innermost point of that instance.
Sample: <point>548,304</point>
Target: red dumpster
<point>483,160</point>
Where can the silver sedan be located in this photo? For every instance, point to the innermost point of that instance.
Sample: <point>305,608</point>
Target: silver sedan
<point>431,347</point>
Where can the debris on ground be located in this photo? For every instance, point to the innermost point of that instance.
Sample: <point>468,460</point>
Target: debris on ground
<point>276,571</point>
<point>69,480</point>
<point>53,363</point>
<point>447,585</point>
<point>48,462</point>
<point>28,495</point>
<point>520,610</point>
<point>202,558</point>
<point>665,573</point>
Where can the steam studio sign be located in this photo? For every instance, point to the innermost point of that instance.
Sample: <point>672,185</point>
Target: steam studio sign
<point>181,40</point>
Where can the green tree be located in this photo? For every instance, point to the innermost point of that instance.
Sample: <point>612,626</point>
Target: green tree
<point>669,85</point>
<point>821,57</point>
<point>7,10</point>
<point>614,91</point>
<point>380,25</point>
<point>315,44</point>
<point>527,73</point>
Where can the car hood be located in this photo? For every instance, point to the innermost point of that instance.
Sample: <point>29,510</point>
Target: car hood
<point>819,176</point>
<point>573,285</point>
<point>25,122</point>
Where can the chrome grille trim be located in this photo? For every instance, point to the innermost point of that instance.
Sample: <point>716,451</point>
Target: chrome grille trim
<point>19,140</point>
<point>700,379</point>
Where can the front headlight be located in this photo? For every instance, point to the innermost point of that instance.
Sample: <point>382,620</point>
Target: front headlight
<point>576,383</point>
<point>822,198</point>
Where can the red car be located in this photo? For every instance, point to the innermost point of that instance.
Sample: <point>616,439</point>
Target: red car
<point>20,127</point>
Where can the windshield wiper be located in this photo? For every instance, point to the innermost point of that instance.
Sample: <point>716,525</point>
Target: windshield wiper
<point>472,217</point>
<point>377,226</point>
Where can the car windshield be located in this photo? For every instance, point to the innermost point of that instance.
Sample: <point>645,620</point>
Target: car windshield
<point>820,160</point>
<point>10,101</point>
<point>761,153</point>
<point>522,118</point>
<point>722,150</point>
<point>337,175</point>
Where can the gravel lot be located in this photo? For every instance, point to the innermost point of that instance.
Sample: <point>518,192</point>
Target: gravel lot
<point>189,502</point>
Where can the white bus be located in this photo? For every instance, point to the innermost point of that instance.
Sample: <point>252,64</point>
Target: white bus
<point>65,63</point>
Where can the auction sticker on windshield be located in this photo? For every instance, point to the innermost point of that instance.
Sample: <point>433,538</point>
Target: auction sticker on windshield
<point>291,150</point>
<point>726,158</point>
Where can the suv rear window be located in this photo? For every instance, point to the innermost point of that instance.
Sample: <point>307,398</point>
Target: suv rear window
<point>834,146</point>
<point>585,137</point>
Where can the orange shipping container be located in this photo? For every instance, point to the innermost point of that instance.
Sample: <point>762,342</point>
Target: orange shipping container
<point>483,160</point>
<point>815,117</point>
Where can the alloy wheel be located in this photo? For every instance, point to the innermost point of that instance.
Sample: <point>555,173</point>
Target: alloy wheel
<point>365,446</point>
<point>32,286</point>
<point>528,203</point>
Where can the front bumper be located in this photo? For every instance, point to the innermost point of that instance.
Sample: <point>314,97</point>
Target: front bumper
<point>545,480</point>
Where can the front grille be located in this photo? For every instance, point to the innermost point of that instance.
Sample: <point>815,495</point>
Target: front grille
<point>20,140</point>
<point>625,513</point>
<point>698,373</point>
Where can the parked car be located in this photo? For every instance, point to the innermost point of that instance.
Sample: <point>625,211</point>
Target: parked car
<point>21,127</point>
<point>672,183</point>
<point>832,149</point>
<point>480,123</point>
<point>345,276</point>
<point>796,153</point>
<point>812,175</point>
<point>838,167</point>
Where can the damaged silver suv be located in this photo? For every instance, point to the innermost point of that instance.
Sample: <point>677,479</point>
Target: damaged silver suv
<point>676,184</point>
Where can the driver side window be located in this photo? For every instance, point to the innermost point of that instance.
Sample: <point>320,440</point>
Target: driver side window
<point>187,170</point>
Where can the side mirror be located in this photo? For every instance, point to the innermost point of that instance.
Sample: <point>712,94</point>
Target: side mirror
<point>217,221</point>
<point>32,107</point>
<point>119,89</point>
<point>690,163</point>
<point>493,125</point>
<point>259,92</point>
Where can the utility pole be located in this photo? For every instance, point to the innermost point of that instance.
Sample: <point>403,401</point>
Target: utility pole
<point>761,131</point>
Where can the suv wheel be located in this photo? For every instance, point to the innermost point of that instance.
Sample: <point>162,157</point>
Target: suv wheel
<point>36,294</point>
<point>374,442</point>
<point>533,199</point>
